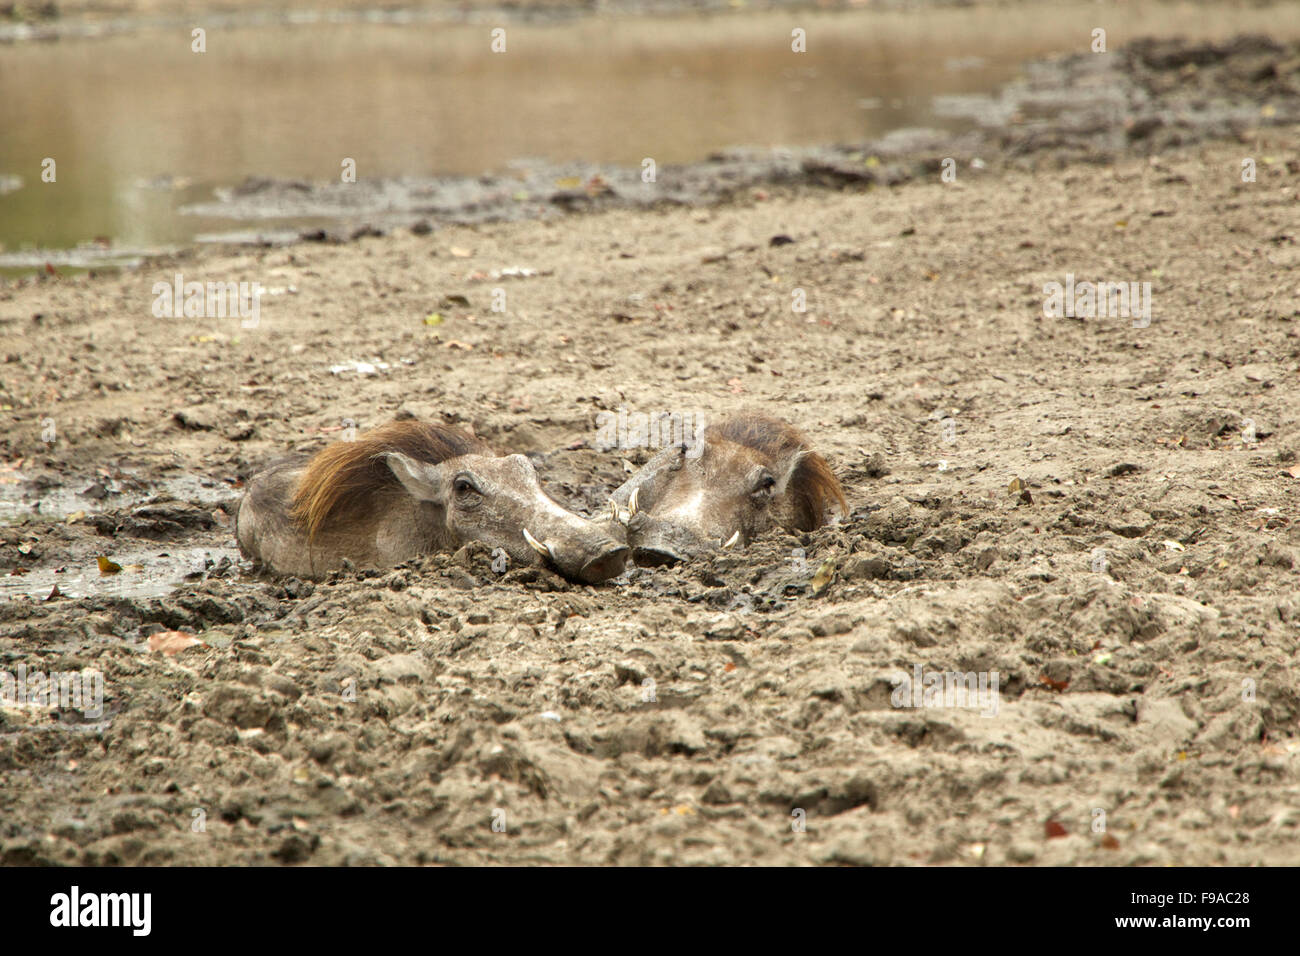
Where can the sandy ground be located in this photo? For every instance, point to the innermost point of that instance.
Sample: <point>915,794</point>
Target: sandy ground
<point>393,717</point>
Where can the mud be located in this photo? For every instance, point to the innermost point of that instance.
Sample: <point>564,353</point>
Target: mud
<point>1101,513</point>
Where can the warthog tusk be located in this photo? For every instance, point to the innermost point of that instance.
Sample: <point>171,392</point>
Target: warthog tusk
<point>622,517</point>
<point>542,549</point>
<point>732,540</point>
<point>633,502</point>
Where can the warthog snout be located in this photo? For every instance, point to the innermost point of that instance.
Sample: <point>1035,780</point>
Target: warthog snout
<point>579,549</point>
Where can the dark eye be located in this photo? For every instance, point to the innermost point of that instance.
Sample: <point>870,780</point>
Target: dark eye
<point>464,486</point>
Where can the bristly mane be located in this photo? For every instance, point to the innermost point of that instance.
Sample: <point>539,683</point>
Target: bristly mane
<point>813,485</point>
<point>342,480</point>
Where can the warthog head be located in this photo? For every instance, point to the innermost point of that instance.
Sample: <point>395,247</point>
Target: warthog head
<point>409,488</point>
<point>500,502</point>
<point>745,475</point>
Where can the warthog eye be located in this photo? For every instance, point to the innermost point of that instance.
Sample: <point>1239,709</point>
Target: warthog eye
<point>465,487</point>
<point>763,489</point>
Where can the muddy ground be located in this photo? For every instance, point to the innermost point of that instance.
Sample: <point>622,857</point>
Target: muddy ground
<point>1100,513</point>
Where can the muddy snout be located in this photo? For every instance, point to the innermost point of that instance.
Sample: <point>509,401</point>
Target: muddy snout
<point>656,543</point>
<point>588,554</point>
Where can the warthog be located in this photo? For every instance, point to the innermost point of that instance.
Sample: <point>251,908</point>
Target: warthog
<point>410,488</point>
<point>752,473</point>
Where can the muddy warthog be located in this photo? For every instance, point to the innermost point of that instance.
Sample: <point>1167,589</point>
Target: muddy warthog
<point>752,473</point>
<point>409,488</point>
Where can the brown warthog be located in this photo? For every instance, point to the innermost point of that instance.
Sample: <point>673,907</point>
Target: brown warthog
<point>734,481</point>
<point>409,488</point>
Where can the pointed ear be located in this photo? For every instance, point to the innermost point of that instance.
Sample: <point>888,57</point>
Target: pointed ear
<point>421,480</point>
<point>786,470</point>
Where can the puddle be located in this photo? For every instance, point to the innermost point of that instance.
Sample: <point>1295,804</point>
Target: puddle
<point>146,573</point>
<point>21,496</point>
<point>147,134</point>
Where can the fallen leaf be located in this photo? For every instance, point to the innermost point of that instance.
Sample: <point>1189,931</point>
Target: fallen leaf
<point>74,517</point>
<point>108,567</point>
<point>1017,485</point>
<point>1054,830</point>
<point>54,593</point>
<point>460,253</point>
<point>1109,842</point>
<point>172,643</point>
<point>433,318</point>
<point>823,578</point>
<point>1056,685</point>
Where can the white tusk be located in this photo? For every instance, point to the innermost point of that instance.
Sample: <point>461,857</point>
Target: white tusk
<point>632,502</point>
<point>537,546</point>
<point>613,509</point>
<point>732,540</point>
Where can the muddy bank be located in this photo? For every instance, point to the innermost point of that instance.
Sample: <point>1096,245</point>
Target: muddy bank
<point>1107,523</point>
<point>1153,95</point>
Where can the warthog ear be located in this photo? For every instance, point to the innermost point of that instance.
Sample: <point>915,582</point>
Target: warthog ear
<point>423,481</point>
<point>785,471</point>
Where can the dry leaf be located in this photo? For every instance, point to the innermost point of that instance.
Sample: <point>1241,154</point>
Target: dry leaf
<point>823,578</point>
<point>1109,842</point>
<point>108,567</point>
<point>172,643</point>
<point>1055,830</point>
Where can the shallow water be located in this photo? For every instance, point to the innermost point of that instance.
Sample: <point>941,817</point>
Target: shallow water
<point>20,498</point>
<point>148,572</point>
<point>140,127</point>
